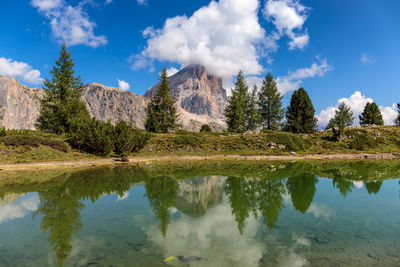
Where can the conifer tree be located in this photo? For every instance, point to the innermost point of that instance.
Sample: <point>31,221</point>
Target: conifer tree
<point>253,116</point>
<point>270,104</point>
<point>300,114</point>
<point>62,99</point>
<point>161,112</point>
<point>343,117</point>
<point>237,107</point>
<point>371,115</point>
<point>397,120</point>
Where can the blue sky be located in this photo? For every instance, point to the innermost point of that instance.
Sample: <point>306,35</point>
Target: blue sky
<point>337,50</point>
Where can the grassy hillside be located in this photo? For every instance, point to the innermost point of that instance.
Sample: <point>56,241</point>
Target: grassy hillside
<point>33,146</point>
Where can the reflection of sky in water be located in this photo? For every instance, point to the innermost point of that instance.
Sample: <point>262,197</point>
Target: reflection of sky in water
<point>19,209</point>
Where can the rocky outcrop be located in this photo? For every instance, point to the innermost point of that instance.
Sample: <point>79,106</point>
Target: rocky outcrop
<point>113,104</point>
<point>201,98</point>
<point>19,104</point>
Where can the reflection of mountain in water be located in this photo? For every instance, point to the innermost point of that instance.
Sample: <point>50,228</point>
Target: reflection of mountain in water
<point>196,195</point>
<point>9,198</point>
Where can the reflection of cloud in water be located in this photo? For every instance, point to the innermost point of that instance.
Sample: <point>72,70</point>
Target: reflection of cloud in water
<point>358,184</point>
<point>124,196</point>
<point>19,209</point>
<point>320,211</point>
<point>289,257</point>
<point>214,237</point>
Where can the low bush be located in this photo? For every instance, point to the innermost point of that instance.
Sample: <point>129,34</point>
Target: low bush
<point>292,142</point>
<point>35,141</point>
<point>362,141</point>
<point>3,131</point>
<point>205,128</point>
<point>103,138</point>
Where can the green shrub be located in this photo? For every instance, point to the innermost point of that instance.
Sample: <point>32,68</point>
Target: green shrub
<point>362,142</point>
<point>292,142</point>
<point>128,138</point>
<point>3,131</point>
<point>35,141</point>
<point>102,138</point>
<point>205,128</point>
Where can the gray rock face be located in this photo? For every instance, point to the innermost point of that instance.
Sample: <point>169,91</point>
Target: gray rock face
<point>19,104</point>
<point>201,99</point>
<point>108,103</point>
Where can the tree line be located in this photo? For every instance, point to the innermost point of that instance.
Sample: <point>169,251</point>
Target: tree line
<point>250,110</point>
<point>63,112</point>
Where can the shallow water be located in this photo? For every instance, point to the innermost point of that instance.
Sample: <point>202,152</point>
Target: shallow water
<point>210,214</point>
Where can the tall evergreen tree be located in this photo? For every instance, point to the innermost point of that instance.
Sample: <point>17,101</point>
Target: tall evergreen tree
<point>252,114</point>
<point>343,117</point>
<point>62,99</point>
<point>161,112</point>
<point>371,115</point>
<point>237,107</point>
<point>397,120</point>
<point>300,114</point>
<point>270,104</point>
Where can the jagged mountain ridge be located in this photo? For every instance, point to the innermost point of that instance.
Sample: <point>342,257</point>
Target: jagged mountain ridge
<point>200,99</point>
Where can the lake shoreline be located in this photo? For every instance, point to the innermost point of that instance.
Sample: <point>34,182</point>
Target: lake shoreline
<point>175,158</point>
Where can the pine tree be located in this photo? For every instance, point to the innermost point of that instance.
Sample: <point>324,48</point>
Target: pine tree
<point>397,120</point>
<point>161,112</point>
<point>270,104</point>
<point>371,115</point>
<point>253,117</point>
<point>343,117</point>
<point>237,107</point>
<point>62,99</point>
<point>300,114</point>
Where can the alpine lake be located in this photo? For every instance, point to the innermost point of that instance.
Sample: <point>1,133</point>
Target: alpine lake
<point>222,213</point>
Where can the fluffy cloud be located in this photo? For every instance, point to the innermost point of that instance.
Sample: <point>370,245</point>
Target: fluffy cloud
<point>172,71</point>
<point>294,79</point>
<point>356,102</point>
<point>68,23</point>
<point>366,58</point>
<point>142,2</point>
<point>222,36</point>
<point>123,85</point>
<point>288,16</point>
<point>19,70</point>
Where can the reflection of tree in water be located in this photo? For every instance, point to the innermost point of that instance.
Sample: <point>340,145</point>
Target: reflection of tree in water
<point>373,187</point>
<point>302,189</point>
<point>248,196</point>
<point>61,218</point>
<point>242,198</point>
<point>161,193</point>
<point>60,204</point>
<point>344,186</point>
<point>270,200</point>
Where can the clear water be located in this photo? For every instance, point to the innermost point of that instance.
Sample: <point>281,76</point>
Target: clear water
<point>209,214</point>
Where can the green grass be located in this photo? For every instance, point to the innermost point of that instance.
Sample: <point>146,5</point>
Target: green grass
<point>34,146</point>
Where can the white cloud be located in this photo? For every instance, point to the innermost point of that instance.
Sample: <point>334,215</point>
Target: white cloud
<point>358,184</point>
<point>223,36</point>
<point>142,2</point>
<point>366,58</point>
<point>19,70</point>
<point>288,16</point>
<point>356,102</point>
<point>172,71</point>
<point>124,196</point>
<point>294,79</point>
<point>107,2</point>
<point>123,85</point>
<point>68,23</point>
<point>19,209</point>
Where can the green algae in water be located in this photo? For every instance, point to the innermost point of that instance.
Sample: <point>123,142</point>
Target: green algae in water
<point>205,214</point>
